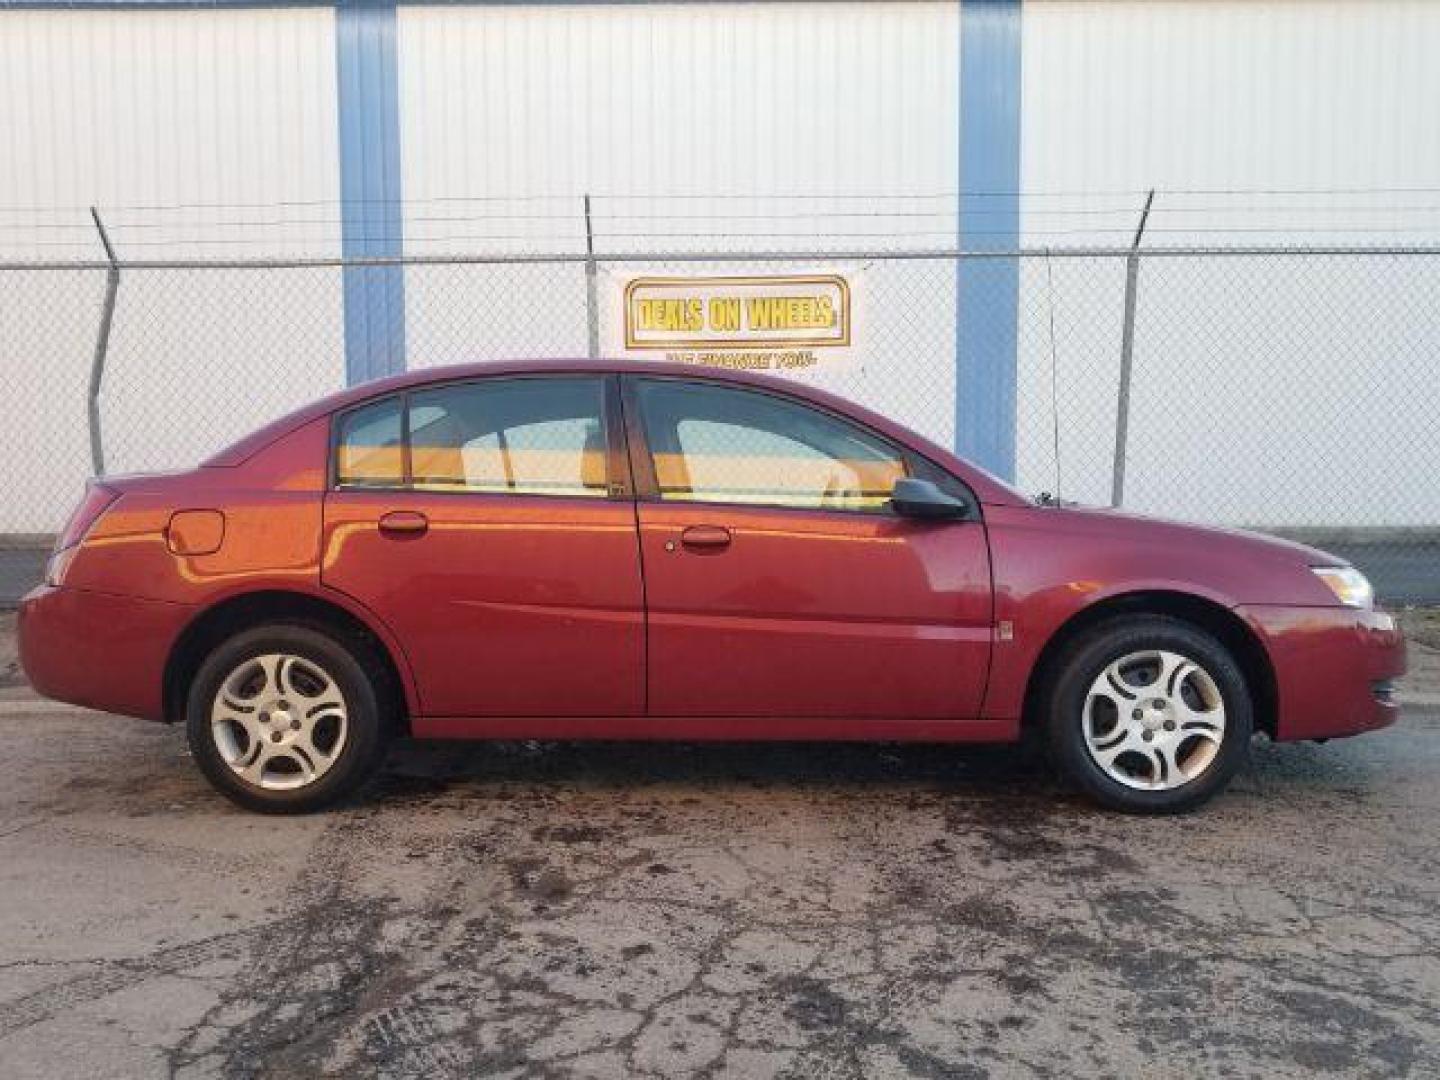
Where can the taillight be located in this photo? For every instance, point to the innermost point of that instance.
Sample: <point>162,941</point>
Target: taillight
<point>97,499</point>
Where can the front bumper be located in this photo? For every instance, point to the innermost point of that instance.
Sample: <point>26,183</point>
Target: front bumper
<point>1333,668</point>
<point>98,650</point>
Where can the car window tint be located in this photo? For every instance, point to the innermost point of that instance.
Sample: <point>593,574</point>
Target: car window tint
<point>369,446</point>
<point>521,437</point>
<point>717,444</point>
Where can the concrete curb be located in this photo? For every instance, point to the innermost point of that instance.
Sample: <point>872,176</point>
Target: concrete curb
<point>26,541</point>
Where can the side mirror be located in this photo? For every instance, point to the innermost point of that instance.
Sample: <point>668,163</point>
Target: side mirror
<point>915,498</point>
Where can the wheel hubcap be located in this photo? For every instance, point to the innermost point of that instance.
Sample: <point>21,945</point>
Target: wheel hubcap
<point>1154,720</point>
<point>279,721</point>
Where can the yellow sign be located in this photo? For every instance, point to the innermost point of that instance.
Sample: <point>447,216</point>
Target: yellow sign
<point>760,322</point>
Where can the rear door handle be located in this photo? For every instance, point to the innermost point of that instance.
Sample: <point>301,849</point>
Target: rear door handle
<point>706,537</point>
<point>404,523</point>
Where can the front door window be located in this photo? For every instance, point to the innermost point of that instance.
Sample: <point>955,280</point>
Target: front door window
<point>718,444</point>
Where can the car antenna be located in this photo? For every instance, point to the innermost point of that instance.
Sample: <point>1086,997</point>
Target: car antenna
<point>1054,377</point>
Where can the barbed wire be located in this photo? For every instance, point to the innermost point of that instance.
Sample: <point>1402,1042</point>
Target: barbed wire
<point>869,196</point>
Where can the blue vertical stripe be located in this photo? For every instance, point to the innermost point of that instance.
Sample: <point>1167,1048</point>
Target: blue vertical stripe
<point>987,290</point>
<point>371,220</point>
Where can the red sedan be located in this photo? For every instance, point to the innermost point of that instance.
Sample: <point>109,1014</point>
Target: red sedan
<point>573,550</point>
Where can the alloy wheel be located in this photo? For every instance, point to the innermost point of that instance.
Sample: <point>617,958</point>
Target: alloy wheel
<point>1154,720</point>
<point>279,721</point>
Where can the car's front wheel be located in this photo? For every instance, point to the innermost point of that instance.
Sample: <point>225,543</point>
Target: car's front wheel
<point>1148,714</point>
<point>284,719</point>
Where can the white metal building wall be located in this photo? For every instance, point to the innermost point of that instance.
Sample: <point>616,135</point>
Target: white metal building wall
<point>1279,122</point>
<point>202,133</point>
<point>696,127</point>
<point>679,99</point>
<point>226,114</point>
<point>196,108</point>
<point>1288,95</point>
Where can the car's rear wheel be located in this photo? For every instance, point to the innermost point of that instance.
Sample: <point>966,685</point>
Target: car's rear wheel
<point>284,719</point>
<point>1148,714</point>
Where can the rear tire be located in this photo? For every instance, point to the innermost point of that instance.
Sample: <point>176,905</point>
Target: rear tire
<point>1147,714</point>
<point>284,719</point>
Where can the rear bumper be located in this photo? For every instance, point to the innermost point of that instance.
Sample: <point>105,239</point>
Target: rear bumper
<point>1332,668</point>
<point>98,650</point>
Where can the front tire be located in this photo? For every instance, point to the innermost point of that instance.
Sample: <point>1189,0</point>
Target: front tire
<point>283,718</point>
<point>1148,714</point>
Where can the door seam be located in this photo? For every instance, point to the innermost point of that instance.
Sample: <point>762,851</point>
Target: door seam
<point>619,401</point>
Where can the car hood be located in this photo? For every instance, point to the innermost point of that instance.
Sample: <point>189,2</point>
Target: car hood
<point>1239,542</point>
<point>1099,553</point>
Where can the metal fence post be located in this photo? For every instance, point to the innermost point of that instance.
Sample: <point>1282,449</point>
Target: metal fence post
<point>1127,356</point>
<point>102,346</point>
<point>592,290</point>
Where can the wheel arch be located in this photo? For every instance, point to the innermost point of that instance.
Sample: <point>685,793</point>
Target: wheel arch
<point>239,611</point>
<point>1231,630</point>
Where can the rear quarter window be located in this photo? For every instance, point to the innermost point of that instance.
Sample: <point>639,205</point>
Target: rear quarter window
<point>370,446</point>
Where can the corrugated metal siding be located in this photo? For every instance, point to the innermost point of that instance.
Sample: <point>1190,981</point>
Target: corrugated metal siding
<point>718,126</point>
<point>1230,96</point>
<point>228,114</point>
<point>735,126</point>
<point>197,133</point>
<point>676,100</point>
<point>1287,122</point>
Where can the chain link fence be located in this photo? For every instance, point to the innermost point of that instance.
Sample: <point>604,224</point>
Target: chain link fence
<point>1289,390</point>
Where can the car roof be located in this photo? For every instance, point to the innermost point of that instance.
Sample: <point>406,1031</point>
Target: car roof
<point>988,488</point>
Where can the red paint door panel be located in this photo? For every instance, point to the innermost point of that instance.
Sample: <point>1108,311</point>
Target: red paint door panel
<point>506,605</point>
<point>778,581</point>
<point>814,614</point>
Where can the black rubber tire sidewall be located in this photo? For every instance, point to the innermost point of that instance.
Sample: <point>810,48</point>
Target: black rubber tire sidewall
<point>364,740</point>
<point>1082,662</point>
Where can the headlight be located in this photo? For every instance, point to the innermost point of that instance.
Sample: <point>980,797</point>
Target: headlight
<point>1348,584</point>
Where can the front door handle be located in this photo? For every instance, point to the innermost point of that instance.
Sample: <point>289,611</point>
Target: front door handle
<point>399,523</point>
<point>706,538</point>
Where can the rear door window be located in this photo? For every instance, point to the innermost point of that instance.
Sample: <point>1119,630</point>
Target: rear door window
<point>511,436</point>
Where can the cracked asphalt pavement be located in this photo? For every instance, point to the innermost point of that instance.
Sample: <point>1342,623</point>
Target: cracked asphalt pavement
<point>539,910</point>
